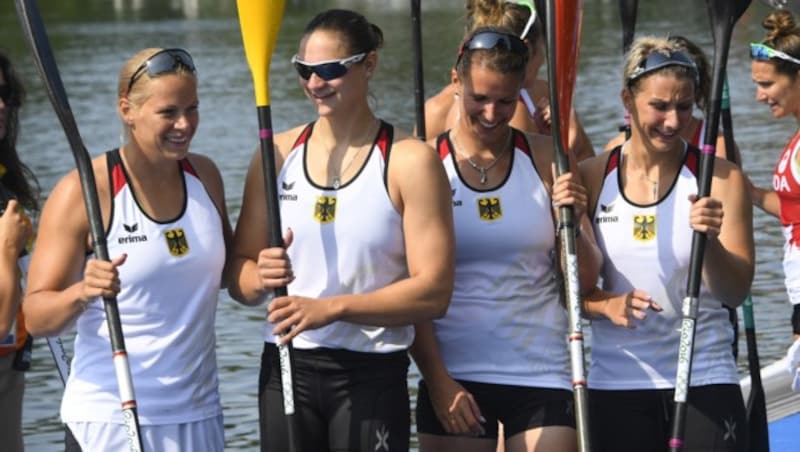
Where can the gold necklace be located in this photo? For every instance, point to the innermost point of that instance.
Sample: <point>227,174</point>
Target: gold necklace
<point>482,170</point>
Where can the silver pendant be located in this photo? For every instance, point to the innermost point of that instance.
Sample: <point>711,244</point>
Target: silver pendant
<point>483,175</point>
<point>336,183</point>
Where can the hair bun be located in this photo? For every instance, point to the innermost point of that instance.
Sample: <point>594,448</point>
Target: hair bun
<point>778,24</point>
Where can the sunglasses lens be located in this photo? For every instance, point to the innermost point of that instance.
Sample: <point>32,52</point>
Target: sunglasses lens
<point>162,62</point>
<point>759,52</point>
<point>325,71</point>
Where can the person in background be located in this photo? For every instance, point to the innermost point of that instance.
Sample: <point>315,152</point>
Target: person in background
<point>644,207</point>
<point>532,111</point>
<point>775,67</point>
<point>163,209</point>
<point>18,193</point>
<point>500,353</point>
<point>369,251</point>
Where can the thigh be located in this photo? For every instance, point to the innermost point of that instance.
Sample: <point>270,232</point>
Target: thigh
<point>370,407</point>
<point>273,423</point>
<point>715,419</point>
<point>438,443</point>
<point>428,423</point>
<point>522,409</point>
<point>553,438</point>
<point>629,421</point>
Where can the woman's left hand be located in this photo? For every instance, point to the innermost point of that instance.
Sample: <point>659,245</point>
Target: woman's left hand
<point>706,215</point>
<point>293,315</point>
<point>568,191</point>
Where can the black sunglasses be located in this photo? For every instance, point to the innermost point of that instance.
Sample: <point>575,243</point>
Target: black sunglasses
<point>326,70</point>
<point>167,60</point>
<point>487,40</point>
<point>5,93</point>
<point>658,60</point>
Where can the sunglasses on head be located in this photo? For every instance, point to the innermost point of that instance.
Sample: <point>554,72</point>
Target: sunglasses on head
<point>5,93</point>
<point>161,62</point>
<point>763,52</point>
<point>488,40</point>
<point>658,60</point>
<point>531,18</point>
<point>326,70</point>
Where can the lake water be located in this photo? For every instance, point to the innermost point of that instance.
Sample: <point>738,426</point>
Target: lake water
<point>92,38</point>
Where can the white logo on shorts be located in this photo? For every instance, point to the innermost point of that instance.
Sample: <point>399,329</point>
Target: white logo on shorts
<point>383,438</point>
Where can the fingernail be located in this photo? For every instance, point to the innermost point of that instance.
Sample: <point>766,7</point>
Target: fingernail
<point>482,419</point>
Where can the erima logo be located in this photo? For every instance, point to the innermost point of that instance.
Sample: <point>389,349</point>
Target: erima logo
<point>606,208</point>
<point>456,203</point>
<point>287,187</point>
<point>130,229</point>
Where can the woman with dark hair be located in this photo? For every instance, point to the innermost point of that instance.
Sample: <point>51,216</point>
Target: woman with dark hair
<point>775,68</point>
<point>644,208</point>
<point>369,251</point>
<point>532,112</point>
<point>163,210</point>
<point>18,193</point>
<point>500,353</point>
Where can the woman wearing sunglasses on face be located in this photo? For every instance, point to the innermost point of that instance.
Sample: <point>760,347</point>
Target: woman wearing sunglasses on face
<point>532,113</point>
<point>18,192</point>
<point>776,73</point>
<point>369,251</point>
<point>500,352</point>
<point>163,209</point>
<point>642,200</point>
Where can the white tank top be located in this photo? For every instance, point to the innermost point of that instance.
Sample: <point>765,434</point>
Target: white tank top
<point>648,247</point>
<point>347,241</point>
<point>170,283</point>
<point>505,324</point>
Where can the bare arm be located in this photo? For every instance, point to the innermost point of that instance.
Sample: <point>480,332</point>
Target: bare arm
<point>59,286</point>
<point>255,269</point>
<point>729,260</point>
<point>15,230</point>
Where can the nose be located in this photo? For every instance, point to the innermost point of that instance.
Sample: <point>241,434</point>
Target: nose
<point>761,96</point>
<point>314,81</point>
<point>490,112</point>
<point>672,119</point>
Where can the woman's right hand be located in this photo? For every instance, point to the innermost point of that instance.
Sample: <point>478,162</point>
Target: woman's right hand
<point>15,228</point>
<point>274,266</point>
<point>629,308</point>
<point>456,409</point>
<point>100,279</point>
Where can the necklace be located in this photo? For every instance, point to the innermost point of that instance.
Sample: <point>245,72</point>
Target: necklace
<point>482,170</point>
<point>337,179</point>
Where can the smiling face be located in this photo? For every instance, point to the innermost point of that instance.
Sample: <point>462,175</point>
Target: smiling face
<point>328,96</point>
<point>488,101</point>
<point>779,91</point>
<point>166,120</point>
<point>661,107</point>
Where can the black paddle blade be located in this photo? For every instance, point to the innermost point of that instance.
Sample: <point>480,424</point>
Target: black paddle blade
<point>725,13</point>
<point>627,12</point>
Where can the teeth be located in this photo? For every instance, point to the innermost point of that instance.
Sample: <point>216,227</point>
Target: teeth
<point>488,125</point>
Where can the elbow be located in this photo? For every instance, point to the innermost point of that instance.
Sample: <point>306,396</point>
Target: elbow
<point>439,298</point>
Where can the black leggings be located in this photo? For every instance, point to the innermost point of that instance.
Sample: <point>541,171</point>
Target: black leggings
<point>639,420</point>
<point>344,401</point>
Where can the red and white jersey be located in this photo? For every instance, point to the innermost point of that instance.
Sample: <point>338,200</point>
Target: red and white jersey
<point>505,324</point>
<point>170,283</point>
<point>348,240</point>
<point>786,182</point>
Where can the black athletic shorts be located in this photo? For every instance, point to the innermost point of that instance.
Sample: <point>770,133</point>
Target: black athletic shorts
<point>519,408</point>
<point>344,401</point>
<point>639,420</point>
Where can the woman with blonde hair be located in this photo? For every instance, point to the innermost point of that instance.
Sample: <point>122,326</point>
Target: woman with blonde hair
<point>163,210</point>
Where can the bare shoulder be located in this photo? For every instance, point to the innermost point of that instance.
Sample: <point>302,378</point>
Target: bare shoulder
<point>406,147</point>
<point>593,169</point>
<point>285,140</point>
<point>204,165</point>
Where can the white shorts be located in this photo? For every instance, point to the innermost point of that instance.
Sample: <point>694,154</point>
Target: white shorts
<point>791,272</point>
<point>207,435</point>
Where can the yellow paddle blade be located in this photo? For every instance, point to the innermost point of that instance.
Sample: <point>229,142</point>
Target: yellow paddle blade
<point>260,21</point>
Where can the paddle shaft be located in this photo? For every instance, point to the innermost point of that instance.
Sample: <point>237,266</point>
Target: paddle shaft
<point>419,83</point>
<point>627,13</point>
<point>723,14</point>
<point>567,226</point>
<point>46,65</point>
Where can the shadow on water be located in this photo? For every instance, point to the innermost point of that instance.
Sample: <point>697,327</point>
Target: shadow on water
<point>91,39</point>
